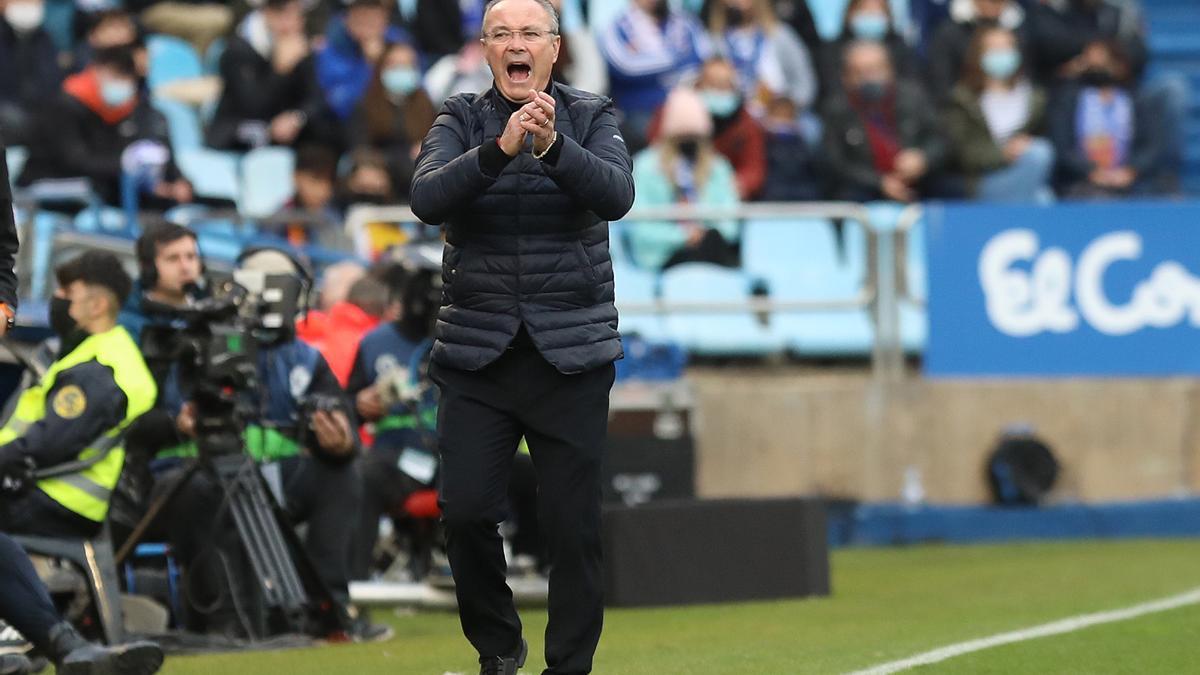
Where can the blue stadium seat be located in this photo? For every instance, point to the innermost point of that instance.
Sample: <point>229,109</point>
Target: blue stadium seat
<point>799,260</point>
<point>45,226</point>
<point>266,180</point>
<point>212,173</point>
<point>182,122</point>
<point>171,59</point>
<point>715,333</point>
<point>102,220</point>
<point>15,157</point>
<point>635,285</point>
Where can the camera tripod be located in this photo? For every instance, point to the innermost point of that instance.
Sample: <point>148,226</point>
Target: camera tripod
<point>287,581</point>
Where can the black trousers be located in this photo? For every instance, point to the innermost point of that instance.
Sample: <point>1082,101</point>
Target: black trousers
<point>482,416</point>
<point>385,487</point>
<point>326,496</point>
<point>24,602</point>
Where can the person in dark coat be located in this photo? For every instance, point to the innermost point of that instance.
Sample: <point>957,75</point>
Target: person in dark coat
<point>394,115</point>
<point>952,39</point>
<point>866,21</point>
<point>523,178</point>
<point>882,139</point>
<point>101,126</point>
<point>271,95</point>
<point>29,70</point>
<point>1109,138</point>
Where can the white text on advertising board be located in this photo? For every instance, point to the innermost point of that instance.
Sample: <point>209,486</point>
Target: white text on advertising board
<point>1049,292</point>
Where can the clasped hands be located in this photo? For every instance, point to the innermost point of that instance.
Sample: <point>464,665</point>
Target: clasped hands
<point>535,118</point>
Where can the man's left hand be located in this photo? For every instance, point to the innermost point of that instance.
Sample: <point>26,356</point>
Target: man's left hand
<point>333,431</point>
<point>537,118</point>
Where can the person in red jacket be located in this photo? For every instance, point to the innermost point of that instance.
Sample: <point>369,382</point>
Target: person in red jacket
<point>737,135</point>
<point>347,321</point>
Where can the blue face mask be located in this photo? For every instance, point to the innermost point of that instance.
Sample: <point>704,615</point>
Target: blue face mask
<point>721,103</point>
<point>116,93</point>
<point>400,80</point>
<point>869,26</point>
<point>1000,64</point>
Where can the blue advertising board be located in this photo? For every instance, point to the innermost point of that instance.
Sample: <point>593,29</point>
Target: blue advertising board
<point>1103,289</point>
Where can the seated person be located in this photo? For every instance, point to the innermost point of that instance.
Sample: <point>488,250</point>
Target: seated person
<point>367,179</point>
<point>952,40</point>
<point>770,59</point>
<point>29,70</point>
<point>314,454</point>
<point>395,114</point>
<point>107,29</point>
<point>312,211</point>
<point>355,45</point>
<point>25,604</point>
<point>347,321</point>
<point>791,156</point>
<point>867,21</point>
<point>97,385</point>
<point>403,457</point>
<point>271,95</point>
<point>683,167</point>
<point>101,114</point>
<point>995,122</point>
<point>650,49</point>
<point>882,139</point>
<point>1109,139</point>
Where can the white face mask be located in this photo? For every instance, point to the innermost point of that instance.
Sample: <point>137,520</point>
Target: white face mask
<point>24,16</point>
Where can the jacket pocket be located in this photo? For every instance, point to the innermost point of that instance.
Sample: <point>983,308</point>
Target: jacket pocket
<point>592,291</point>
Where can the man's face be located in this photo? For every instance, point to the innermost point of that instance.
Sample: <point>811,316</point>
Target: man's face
<point>313,191</point>
<point>520,49</point>
<point>87,302</point>
<point>366,23</point>
<point>286,20</point>
<point>178,264</point>
<point>867,63</point>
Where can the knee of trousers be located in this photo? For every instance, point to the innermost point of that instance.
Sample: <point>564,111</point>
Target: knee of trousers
<point>469,513</point>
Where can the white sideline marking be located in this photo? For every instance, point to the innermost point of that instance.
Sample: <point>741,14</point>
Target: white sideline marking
<point>1059,627</point>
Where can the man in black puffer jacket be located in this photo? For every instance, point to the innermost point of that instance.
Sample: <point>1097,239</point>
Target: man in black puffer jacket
<point>524,177</point>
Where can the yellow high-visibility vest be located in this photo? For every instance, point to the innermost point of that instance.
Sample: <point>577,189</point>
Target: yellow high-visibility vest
<point>87,492</point>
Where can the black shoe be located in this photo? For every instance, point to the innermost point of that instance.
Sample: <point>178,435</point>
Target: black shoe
<point>75,656</point>
<point>504,665</point>
<point>15,664</point>
<point>362,630</point>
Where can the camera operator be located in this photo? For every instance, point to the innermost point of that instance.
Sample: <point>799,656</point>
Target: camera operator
<point>402,459</point>
<point>315,450</point>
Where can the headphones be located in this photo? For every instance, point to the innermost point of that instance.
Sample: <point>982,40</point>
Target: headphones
<point>147,251</point>
<point>299,267</point>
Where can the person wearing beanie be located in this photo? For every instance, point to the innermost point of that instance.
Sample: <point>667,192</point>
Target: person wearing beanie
<point>683,167</point>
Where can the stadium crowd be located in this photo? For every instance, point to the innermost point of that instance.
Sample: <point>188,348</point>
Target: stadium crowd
<point>723,101</point>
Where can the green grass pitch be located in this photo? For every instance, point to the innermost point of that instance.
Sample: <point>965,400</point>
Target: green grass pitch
<point>887,604</point>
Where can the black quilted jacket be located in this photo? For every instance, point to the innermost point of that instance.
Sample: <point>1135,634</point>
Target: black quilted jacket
<point>526,240</point>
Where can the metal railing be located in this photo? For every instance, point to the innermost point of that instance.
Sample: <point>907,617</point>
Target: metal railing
<point>883,287</point>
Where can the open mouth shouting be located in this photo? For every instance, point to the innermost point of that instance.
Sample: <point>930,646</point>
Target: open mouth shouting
<point>519,72</point>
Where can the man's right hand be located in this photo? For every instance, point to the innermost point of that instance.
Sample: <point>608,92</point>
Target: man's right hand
<point>894,188</point>
<point>513,138</point>
<point>369,404</point>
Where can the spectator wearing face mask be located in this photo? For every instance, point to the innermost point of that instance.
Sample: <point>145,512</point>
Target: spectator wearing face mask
<point>650,48</point>
<point>683,167</point>
<point>356,43</point>
<point>995,122</point>
<point>769,57</point>
<point>29,72</point>
<point>737,135</point>
<point>952,39</point>
<point>109,28</point>
<point>882,139</point>
<point>102,126</point>
<point>271,95</point>
<point>867,21</point>
<point>1109,139</point>
<point>394,115</point>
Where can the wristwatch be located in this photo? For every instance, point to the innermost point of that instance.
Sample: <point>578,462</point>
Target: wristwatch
<point>10,317</point>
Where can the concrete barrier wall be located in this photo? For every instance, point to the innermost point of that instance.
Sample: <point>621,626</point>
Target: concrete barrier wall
<point>788,431</point>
